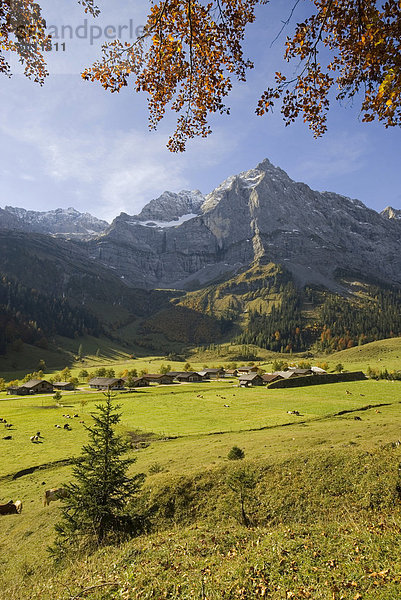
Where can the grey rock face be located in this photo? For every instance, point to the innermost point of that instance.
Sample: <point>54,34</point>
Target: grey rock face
<point>10,221</point>
<point>60,221</point>
<point>262,215</point>
<point>171,206</point>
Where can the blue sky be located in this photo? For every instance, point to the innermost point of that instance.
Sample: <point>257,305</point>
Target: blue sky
<point>71,143</point>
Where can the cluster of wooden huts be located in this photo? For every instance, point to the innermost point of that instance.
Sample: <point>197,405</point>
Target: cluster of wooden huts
<point>252,377</point>
<point>39,386</point>
<point>247,377</point>
<point>106,383</point>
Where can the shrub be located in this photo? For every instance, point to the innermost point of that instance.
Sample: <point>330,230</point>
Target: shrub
<point>155,468</point>
<point>236,453</point>
<point>83,374</point>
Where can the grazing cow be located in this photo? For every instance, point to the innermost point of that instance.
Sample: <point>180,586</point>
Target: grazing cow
<point>11,508</point>
<point>54,494</point>
<point>67,426</point>
<point>8,437</point>
<point>34,439</point>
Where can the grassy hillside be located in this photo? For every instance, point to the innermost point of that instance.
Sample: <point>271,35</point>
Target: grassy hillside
<point>351,559</point>
<point>325,511</point>
<point>255,288</point>
<point>380,354</point>
<point>62,352</point>
<point>262,306</point>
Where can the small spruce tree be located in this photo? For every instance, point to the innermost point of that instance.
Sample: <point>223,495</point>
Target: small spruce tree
<point>236,453</point>
<point>96,508</point>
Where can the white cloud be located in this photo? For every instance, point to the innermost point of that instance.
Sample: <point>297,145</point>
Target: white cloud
<point>120,174</point>
<point>104,165</point>
<point>137,167</point>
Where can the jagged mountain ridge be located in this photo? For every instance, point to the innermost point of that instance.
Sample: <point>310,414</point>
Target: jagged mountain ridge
<point>170,206</point>
<point>252,237</point>
<point>261,215</point>
<point>66,222</point>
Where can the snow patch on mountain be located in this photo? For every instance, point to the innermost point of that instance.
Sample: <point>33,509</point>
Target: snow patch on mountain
<point>174,223</point>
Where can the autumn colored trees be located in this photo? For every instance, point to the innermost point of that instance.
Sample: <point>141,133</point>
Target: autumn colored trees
<point>340,323</point>
<point>361,39</point>
<point>191,51</point>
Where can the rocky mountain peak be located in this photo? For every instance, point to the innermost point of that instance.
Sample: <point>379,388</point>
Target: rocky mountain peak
<point>391,213</point>
<point>171,206</point>
<point>258,215</point>
<point>247,180</point>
